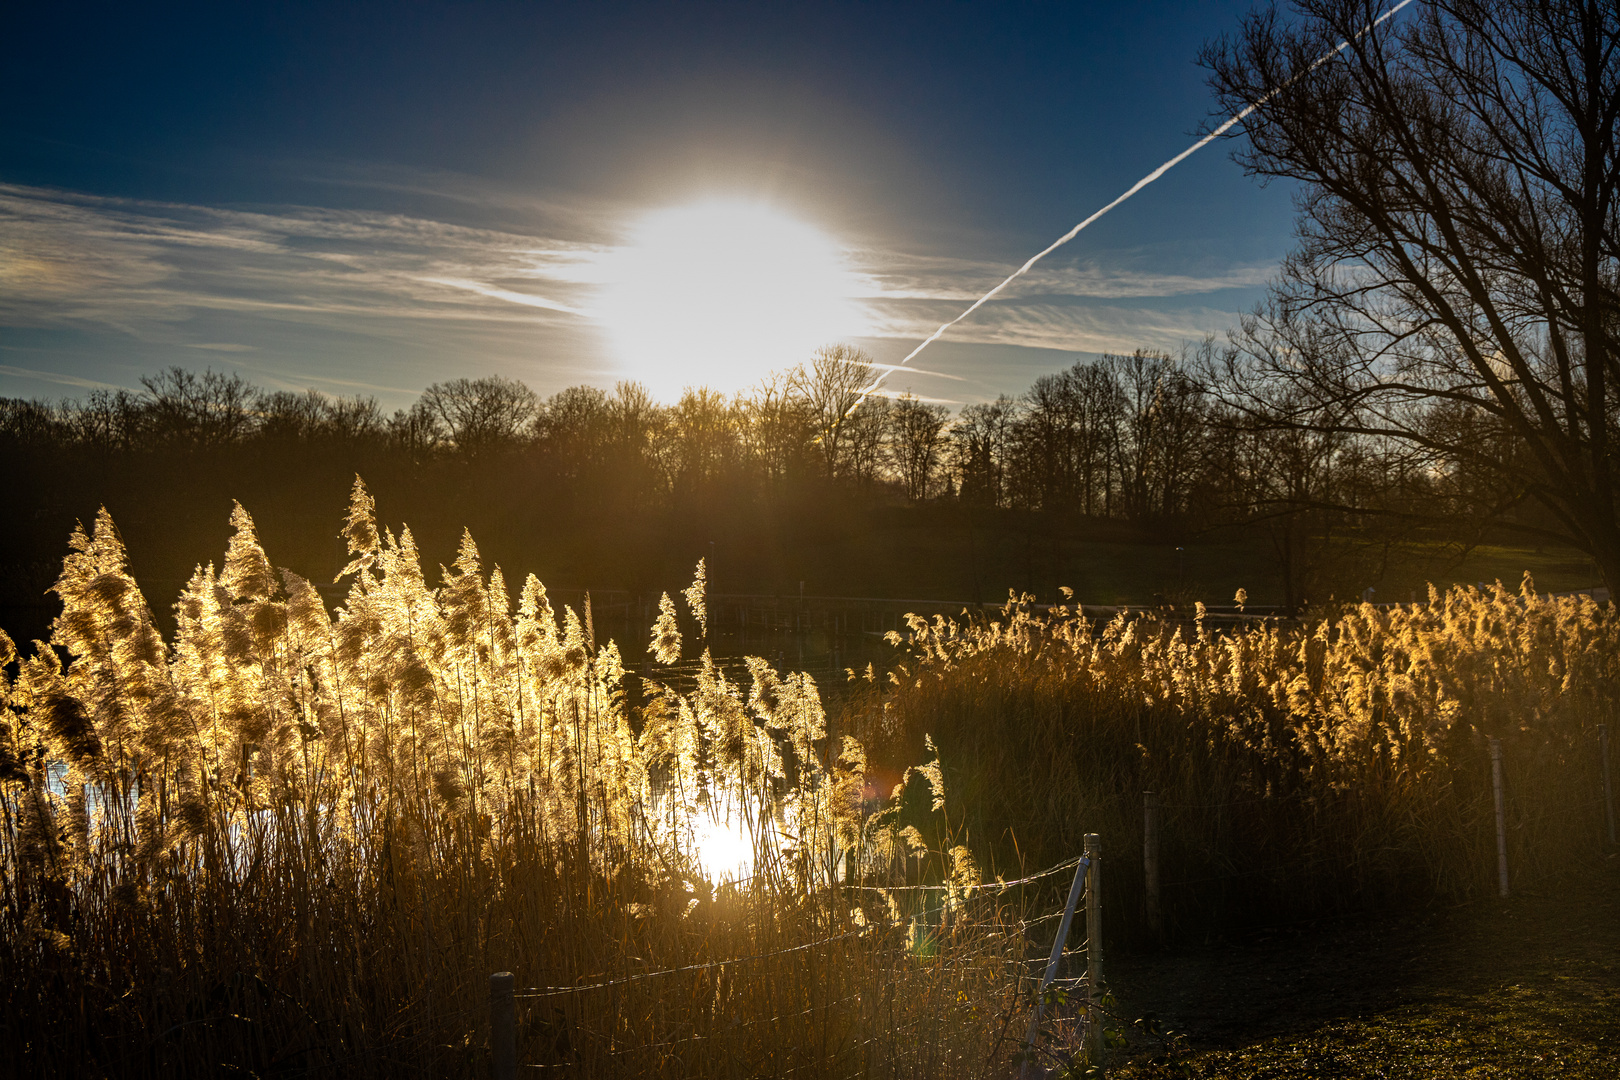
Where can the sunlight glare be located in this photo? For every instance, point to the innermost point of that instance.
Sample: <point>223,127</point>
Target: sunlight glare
<point>723,851</point>
<point>721,293</point>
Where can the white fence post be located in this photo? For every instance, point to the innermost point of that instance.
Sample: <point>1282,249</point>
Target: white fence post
<point>1150,859</point>
<point>1052,963</point>
<point>1501,818</point>
<point>1608,791</point>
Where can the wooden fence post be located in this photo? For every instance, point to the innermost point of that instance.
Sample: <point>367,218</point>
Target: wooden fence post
<point>1094,957</point>
<point>1608,790</point>
<point>1150,859</point>
<point>1501,818</point>
<point>502,1027</point>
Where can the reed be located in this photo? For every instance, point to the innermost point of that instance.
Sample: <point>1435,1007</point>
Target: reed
<point>291,842</point>
<point>1305,770</point>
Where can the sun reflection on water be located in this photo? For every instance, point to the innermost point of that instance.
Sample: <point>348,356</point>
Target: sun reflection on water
<point>723,851</point>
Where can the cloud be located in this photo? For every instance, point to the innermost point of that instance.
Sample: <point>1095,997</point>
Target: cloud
<point>504,294</point>
<point>144,267</point>
<point>896,276</point>
<point>58,378</point>
<point>895,395</point>
<point>1070,327</point>
<point>391,301</point>
<point>890,368</point>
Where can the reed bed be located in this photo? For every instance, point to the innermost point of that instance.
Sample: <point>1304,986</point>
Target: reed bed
<point>290,842</point>
<point>1304,770</point>
<point>295,842</point>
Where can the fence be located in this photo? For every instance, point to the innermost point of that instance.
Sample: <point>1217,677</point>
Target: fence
<point>942,949</point>
<point>1515,820</point>
<point>938,947</point>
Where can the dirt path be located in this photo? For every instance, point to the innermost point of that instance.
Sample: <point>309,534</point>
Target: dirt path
<point>1529,986</point>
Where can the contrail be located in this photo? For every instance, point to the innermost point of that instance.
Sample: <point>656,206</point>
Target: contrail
<point>1132,190</point>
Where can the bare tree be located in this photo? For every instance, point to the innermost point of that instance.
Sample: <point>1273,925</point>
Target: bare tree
<point>1455,289</point>
<point>416,432</point>
<point>830,387</point>
<point>1287,486</point>
<point>482,415</point>
<point>105,422</point>
<point>1067,440</point>
<point>1045,441</point>
<point>572,430</point>
<point>312,416</point>
<point>980,441</point>
<point>184,410</point>
<point>704,441</point>
<point>777,428</point>
<point>352,420</point>
<point>26,424</point>
<point>289,417</point>
<point>1097,404</point>
<point>865,445</point>
<point>917,443</point>
<point>637,429</point>
<point>1161,431</point>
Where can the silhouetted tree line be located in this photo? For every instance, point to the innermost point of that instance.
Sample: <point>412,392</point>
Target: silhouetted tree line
<point>1131,437</point>
<point>611,485</point>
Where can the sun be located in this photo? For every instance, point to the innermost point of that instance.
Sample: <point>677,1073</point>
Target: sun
<point>720,293</point>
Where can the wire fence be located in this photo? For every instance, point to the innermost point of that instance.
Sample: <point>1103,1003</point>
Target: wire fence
<point>866,999</point>
<point>879,994</point>
<point>1521,807</point>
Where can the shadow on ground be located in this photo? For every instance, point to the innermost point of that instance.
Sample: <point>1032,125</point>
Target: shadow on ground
<point>1524,987</point>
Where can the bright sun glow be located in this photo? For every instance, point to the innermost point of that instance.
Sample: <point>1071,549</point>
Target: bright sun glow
<point>724,852</point>
<point>721,293</point>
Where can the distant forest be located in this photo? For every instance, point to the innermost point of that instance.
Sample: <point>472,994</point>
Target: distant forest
<point>599,489</point>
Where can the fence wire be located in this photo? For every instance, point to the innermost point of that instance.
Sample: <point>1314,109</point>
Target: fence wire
<point>951,911</point>
<point>930,931</point>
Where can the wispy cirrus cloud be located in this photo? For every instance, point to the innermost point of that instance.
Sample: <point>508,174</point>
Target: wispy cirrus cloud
<point>1087,328</point>
<point>897,276</point>
<point>66,257</point>
<point>57,378</point>
<point>384,302</point>
<point>1126,303</point>
<point>511,297</point>
<point>302,295</point>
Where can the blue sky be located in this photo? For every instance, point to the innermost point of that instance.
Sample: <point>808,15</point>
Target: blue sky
<point>370,198</point>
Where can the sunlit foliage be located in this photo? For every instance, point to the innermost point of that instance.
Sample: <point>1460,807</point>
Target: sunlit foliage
<point>299,839</point>
<point>295,839</point>
<point>1336,764</point>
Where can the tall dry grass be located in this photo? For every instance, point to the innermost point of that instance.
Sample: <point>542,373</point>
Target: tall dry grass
<point>290,842</point>
<point>1304,771</point>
